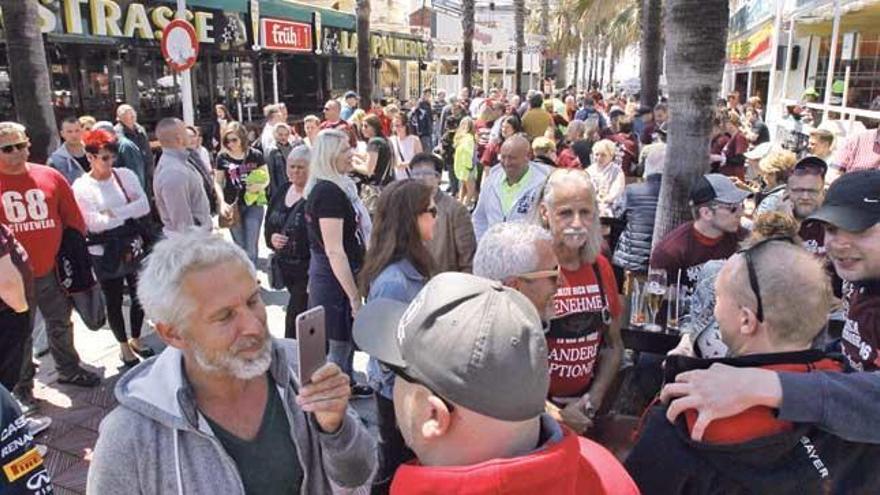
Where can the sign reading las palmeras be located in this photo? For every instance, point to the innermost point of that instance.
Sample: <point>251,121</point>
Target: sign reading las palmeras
<point>142,20</point>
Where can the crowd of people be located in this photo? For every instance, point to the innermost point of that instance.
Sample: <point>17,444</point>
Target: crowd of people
<point>483,249</point>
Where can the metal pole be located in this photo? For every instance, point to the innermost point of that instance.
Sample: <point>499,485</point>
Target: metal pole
<point>771,86</point>
<point>186,95</point>
<point>832,59</point>
<point>275,78</point>
<point>788,56</point>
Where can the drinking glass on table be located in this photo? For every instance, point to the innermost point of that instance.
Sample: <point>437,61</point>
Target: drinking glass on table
<point>637,317</point>
<point>655,292</point>
<point>673,308</point>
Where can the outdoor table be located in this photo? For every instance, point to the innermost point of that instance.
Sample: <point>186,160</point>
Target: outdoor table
<point>644,341</point>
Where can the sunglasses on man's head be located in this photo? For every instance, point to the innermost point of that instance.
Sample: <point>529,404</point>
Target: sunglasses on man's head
<point>748,253</point>
<point>9,148</point>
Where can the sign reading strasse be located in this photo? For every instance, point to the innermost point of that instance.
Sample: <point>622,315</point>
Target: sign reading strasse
<point>287,36</point>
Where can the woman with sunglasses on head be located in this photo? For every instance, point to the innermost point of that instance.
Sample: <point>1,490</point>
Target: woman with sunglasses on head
<point>110,199</point>
<point>398,264</point>
<point>243,175</point>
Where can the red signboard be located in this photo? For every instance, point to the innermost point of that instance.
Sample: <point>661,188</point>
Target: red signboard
<point>287,36</point>
<point>180,46</point>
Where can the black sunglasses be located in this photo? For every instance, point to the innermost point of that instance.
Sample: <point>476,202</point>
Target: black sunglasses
<point>9,148</point>
<point>432,210</point>
<point>748,254</point>
<point>403,376</point>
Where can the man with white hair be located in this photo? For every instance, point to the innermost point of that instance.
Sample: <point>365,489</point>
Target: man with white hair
<point>128,126</point>
<point>510,190</point>
<point>520,255</point>
<point>584,338</point>
<point>221,409</point>
<point>275,114</point>
<point>178,188</point>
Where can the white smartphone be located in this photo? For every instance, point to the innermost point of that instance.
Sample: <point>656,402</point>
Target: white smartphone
<point>311,343</point>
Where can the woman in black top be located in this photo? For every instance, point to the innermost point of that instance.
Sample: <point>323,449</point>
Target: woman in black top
<point>286,234</point>
<point>339,227</point>
<point>378,167</point>
<point>244,178</point>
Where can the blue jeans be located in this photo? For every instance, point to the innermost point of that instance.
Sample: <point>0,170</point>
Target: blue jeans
<point>324,290</point>
<point>246,233</point>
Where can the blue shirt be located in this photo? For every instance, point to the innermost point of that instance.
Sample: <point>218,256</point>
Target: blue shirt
<point>399,281</point>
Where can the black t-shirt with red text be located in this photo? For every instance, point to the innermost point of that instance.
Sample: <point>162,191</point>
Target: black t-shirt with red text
<point>578,327</point>
<point>23,469</point>
<point>860,338</point>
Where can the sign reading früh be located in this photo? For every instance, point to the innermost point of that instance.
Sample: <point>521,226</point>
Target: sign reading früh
<point>286,36</point>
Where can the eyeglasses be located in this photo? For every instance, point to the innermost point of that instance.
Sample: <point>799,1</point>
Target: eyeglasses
<point>423,174</point>
<point>407,378</point>
<point>230,140</point>
<point>9,148</point>
<point>539,274</point>
<point>432,210</point>
<point>748,253</point>
<point>805,192</point>
<point>727,207</point>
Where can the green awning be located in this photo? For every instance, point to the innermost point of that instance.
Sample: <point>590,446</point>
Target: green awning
<point>295,11</point>
<point>226,5</point>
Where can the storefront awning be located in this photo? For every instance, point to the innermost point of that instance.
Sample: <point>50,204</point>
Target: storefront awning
<point>862,16</point>
<point>302,12</point>
<point>747,50</point>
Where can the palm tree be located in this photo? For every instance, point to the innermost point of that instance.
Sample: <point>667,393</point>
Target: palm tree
<point>467,52</point>
<point>696,35</point>
<point>623,31</point>
<point>651,21</point>
<point>364,81</point>
<point>519,20</point>
<point>29,76</point>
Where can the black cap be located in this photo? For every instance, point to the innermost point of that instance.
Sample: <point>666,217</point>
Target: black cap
<point>852,202</point>
<point>813,162</point>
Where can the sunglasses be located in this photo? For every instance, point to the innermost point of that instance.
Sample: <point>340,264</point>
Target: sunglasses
<point>407,378</point>
<point>230,140</point>
<point>749,253</point>
<point>727,207</point>
<point>9,148</point>
<point>539,274</point>
<point>432,210</point>
<point>105,158</point>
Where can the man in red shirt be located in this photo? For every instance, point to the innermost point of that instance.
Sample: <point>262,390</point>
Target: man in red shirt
<point>38,205</point>
<point>584,342</point>
<point>470,361</point>
<point>332,120</point>
<point>715,233</point>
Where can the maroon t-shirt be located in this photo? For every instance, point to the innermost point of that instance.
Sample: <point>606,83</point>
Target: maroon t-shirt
<point>861,332</point>
<point>10,246</point>
<point>685,251</point>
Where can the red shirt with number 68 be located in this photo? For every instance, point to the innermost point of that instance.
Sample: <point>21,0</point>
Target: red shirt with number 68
<point>37,206</point>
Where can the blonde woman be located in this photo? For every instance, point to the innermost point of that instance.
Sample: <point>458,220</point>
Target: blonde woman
<point>244,177</point>
<point>774,170</point>
<point>464,143</point>
<point>607,176</point>
<point>339,228</point>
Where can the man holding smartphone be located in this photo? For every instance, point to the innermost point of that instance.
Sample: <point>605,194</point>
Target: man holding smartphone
<point>221,409</point>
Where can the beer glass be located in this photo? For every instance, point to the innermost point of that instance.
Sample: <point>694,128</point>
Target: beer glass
<point>655,292</point>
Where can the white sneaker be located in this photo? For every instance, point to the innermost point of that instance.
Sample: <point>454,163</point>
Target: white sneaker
<point>38,424</point>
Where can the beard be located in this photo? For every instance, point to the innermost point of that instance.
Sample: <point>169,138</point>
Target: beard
<point>229,362</point>
<point>587,241</point>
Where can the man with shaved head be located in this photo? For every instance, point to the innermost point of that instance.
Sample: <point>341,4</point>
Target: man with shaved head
<point>755,450</point>
<point>334,120</point>
<point>510,190</point>
<point>179,189</point>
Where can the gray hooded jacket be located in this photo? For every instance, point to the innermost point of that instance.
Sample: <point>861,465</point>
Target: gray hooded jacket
<point>62,161</point>
<point>156,440</point>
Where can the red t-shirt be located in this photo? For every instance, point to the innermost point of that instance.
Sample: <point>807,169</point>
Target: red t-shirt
<point>37,206</point>
<point>342,126</point>
<point>577,328</point>
<point>567,159</point>
<point>682,251</point>
<point>8,245</point>
<point>860,338</point>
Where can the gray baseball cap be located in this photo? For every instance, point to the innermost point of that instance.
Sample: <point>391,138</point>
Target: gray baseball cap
<point>717,187</point>
<point>468,339</point>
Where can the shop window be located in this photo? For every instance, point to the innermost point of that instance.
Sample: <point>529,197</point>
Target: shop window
<point>7,108</point>
<point>158,90</point>
<point>864,83</point>
<point>342,76</point>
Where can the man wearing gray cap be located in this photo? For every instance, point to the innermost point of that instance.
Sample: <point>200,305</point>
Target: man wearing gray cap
<point>471,362</point>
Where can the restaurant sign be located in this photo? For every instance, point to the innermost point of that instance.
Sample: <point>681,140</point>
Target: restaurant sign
<point>286,36</point>
<point>139,20</point>
<point>342,42</point>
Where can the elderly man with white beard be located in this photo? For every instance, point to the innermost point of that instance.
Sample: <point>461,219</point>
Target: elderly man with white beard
<point>221,410</point>
<point>584,342</point>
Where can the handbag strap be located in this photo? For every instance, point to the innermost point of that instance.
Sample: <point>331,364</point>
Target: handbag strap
<point>119,183</point>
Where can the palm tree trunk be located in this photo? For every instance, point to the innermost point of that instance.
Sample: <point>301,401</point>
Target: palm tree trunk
<point>467,52</point>
<point>651,23</point>
<point>364,81</point>
<point>696,33</point>
<point>519,20</point>
<point>585,48</point>
<point>29,76</point>
<point>602,68</point>
<point>613,64</point>
<point>577,66</point>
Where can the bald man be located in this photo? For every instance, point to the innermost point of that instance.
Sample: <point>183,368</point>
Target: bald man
<point>755,451</point>
<point>178,187</point>
<point>510,190</point>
